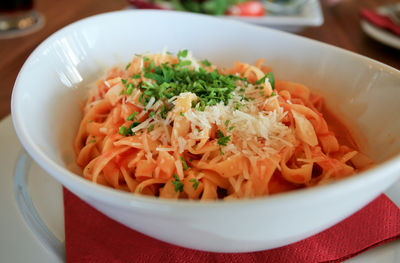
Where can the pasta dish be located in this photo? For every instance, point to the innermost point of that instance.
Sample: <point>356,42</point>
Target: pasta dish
<point>172,126</point>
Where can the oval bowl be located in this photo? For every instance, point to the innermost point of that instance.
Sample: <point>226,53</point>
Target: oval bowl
<point>50,86</point>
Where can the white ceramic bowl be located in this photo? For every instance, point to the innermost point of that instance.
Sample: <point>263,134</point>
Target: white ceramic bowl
<point>46,115</point>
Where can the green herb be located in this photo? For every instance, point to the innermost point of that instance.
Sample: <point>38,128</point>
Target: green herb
<point>190,159</point>
<point>215,7</point>
<point>90,121</point>
<point>226,122</point>
<point>151,65</point>
<point>151,127</point>
<point>261,93</point>
<point>140,189</point>
<point>129,89</point>
<point>238,106</point>
<point>231,128</point>
<point>92,141</point>
<point>185,166</point>
<point>132,116</point>
<point>145,59</point>
<point>177,184</point>
<point>206,63</point>
<point>195,183</point>
<point>184,63</point>
<point>220,151</point>
<point>151,114</point>
<point>222,140</point>
<point>164,111</point>
<point>167,81</point>
<point>127,66</point>
<point>182,53</point>
<point>123,130</point>
<point>181,113</point>
<point>271,79</point>
<point>136,76</point>
<point>124,81</point>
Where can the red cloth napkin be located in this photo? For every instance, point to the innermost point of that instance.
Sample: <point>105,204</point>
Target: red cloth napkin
<point>93,237</point>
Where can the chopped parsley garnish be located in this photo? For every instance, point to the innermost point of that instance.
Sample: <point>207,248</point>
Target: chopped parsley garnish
<point>127,131</point>
<point>181,113</point>
<point>184,164</point>
<point>182,53</point>
<point>164,111</point>
<point>132,116</point>
<point>223,140</point>
<point>238,105</point>
<point>151,127</point>
<point>168,81</point>
<point>195,183</point>
<point>127,66</point>
<point>177,183</point>
<point>92,141</point>
<point>271,79</point>
<point>123,130</point>
<point>220,151</point>
<point>206,63</point>
<point>129,89</point>
<point>227,122</point>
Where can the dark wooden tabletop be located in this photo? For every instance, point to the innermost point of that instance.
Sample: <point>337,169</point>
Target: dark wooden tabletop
<point>341,28</point>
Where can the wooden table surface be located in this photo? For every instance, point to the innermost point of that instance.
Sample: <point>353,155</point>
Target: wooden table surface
<point>341,28</point>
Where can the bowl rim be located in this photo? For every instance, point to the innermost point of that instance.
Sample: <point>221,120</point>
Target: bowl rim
<point>127,199</point>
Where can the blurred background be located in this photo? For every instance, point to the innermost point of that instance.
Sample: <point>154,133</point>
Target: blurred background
<point>366,27</point>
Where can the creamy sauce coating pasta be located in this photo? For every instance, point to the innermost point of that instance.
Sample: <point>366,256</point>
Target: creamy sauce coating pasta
<point>176,127</point>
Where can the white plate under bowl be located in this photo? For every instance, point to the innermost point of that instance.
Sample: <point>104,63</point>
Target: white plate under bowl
<point>20,243</point>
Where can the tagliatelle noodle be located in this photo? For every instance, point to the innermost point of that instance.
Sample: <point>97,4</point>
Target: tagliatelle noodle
<point>262,138</point>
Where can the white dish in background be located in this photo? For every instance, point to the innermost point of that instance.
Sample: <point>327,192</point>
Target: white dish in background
<point>18,242</point>
<point>310,15</point>
<point>380,34</point>
<point>46,120</point>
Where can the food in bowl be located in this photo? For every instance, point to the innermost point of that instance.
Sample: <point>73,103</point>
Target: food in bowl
<point>248,8</point>
<point>363,92</point>
<point>176,127</point>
